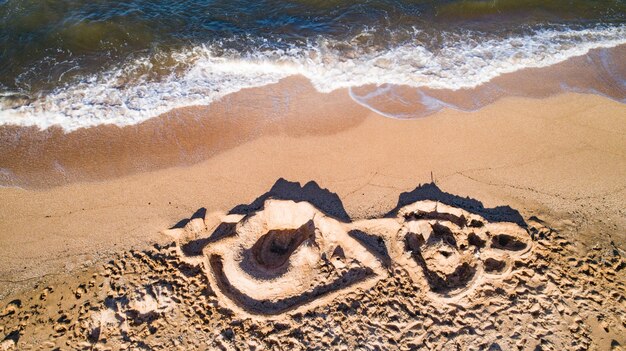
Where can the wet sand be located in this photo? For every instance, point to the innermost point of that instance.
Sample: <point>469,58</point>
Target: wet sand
<point>33,158</point>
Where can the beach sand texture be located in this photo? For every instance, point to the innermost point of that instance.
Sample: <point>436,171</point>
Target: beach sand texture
<point>313,175</point>
<point>427,275</point>
<point>499,228</point>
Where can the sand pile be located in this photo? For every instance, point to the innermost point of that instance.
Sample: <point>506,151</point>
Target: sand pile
<point>288,275</point>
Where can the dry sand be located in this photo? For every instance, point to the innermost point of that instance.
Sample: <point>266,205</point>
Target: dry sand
<point>496,229</point>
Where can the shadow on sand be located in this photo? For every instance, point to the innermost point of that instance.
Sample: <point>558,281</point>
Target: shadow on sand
<point>325,200</point>
<point>330,204</point>
<point>431,191</point>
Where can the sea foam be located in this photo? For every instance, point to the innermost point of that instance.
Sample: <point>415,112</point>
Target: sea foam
<point>122,96</point>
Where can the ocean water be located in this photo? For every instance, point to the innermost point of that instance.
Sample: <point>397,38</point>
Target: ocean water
<point>85,63</point>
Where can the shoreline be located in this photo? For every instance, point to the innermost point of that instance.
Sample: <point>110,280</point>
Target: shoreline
<point>598,71</point>
<point>39,159</point>
<point>182,137</point>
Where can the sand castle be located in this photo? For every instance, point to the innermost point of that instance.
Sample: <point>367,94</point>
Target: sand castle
<point>290,256</point>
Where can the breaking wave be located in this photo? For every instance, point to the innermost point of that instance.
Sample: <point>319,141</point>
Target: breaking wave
<point>199,75</point>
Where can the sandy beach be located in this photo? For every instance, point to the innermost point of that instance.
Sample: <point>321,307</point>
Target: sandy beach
<point>75,241</point>
<point>346,175</point>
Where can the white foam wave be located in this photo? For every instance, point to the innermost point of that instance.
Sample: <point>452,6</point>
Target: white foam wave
<point>114,98</point>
